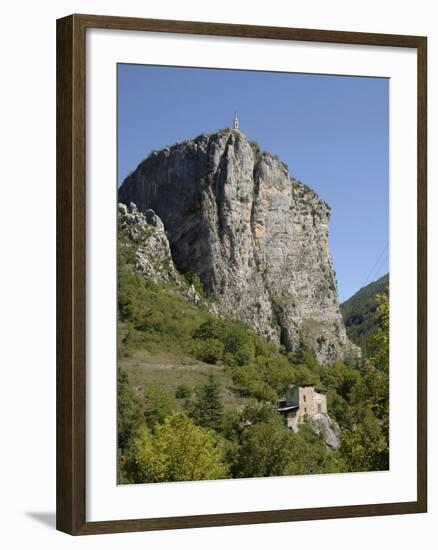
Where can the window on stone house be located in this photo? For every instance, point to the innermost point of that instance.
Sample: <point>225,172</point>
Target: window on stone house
<point>319,407</point>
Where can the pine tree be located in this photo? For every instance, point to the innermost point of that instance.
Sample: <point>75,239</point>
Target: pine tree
<point>208,408</point>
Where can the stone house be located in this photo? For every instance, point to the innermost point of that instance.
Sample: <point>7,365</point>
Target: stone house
<point>301,401</point>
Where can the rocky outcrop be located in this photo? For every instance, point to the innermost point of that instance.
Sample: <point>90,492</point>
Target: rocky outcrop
<point>149,244</point>
<point>143,234</point>
<point>257,238</point>
<point>324,425</point>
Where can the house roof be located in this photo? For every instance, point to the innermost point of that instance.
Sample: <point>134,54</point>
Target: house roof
<point>287,408</point>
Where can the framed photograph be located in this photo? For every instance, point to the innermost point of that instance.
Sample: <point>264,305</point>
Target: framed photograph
<point>241,274</point>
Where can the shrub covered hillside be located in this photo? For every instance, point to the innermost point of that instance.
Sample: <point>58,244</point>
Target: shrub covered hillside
<point>360,312</point>
<point>197,393</point>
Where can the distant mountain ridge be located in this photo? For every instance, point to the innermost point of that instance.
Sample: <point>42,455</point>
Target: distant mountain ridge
<point>360,311</point>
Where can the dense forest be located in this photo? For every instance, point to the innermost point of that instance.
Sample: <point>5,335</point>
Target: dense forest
<point>197,394</point>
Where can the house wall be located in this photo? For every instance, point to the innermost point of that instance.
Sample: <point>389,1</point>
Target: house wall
<point>320,399</point>
<point>308,401</point>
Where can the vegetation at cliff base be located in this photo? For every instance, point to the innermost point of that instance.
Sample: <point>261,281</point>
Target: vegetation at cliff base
<point>197,394</point>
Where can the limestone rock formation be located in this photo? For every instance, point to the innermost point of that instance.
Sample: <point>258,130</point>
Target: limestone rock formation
<point>149,244</point>
<point>257,238</point>
<point>144,235</point>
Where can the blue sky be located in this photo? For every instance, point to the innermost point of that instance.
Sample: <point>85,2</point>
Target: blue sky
<point>332,131</point>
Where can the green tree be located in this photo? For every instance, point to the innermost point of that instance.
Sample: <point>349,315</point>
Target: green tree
<point>365,446</point>
<point>308,454</point>
<point>265,450</point>
<point>250,382</point>
<point>339,409</point>
<point>239,345</point>
<point>360,313</point>
<point>178,450</point>
<point>277,372</point>
<point>256,412</point>
<point>193,279</point>
<point>306,370</point>
<point>128,410</point>
<point>341,378</point>
<point>237,340</point>
<point>379,340</point>
<point>183,391</point>
<point>129,419</point>
<point>208,408</point>
<point>159,402</point>
<point>210,350</point>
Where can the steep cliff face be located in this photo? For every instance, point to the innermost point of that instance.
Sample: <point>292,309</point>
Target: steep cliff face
<point>257,238</point>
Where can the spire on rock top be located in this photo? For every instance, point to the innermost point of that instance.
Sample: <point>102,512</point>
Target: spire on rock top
<point>235,122</point>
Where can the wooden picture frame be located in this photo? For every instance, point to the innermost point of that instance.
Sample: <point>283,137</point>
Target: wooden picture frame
<point>71,273</point>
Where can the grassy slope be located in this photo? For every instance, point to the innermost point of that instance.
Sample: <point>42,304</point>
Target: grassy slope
<point>145,369</point>
<point>359,311</point>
